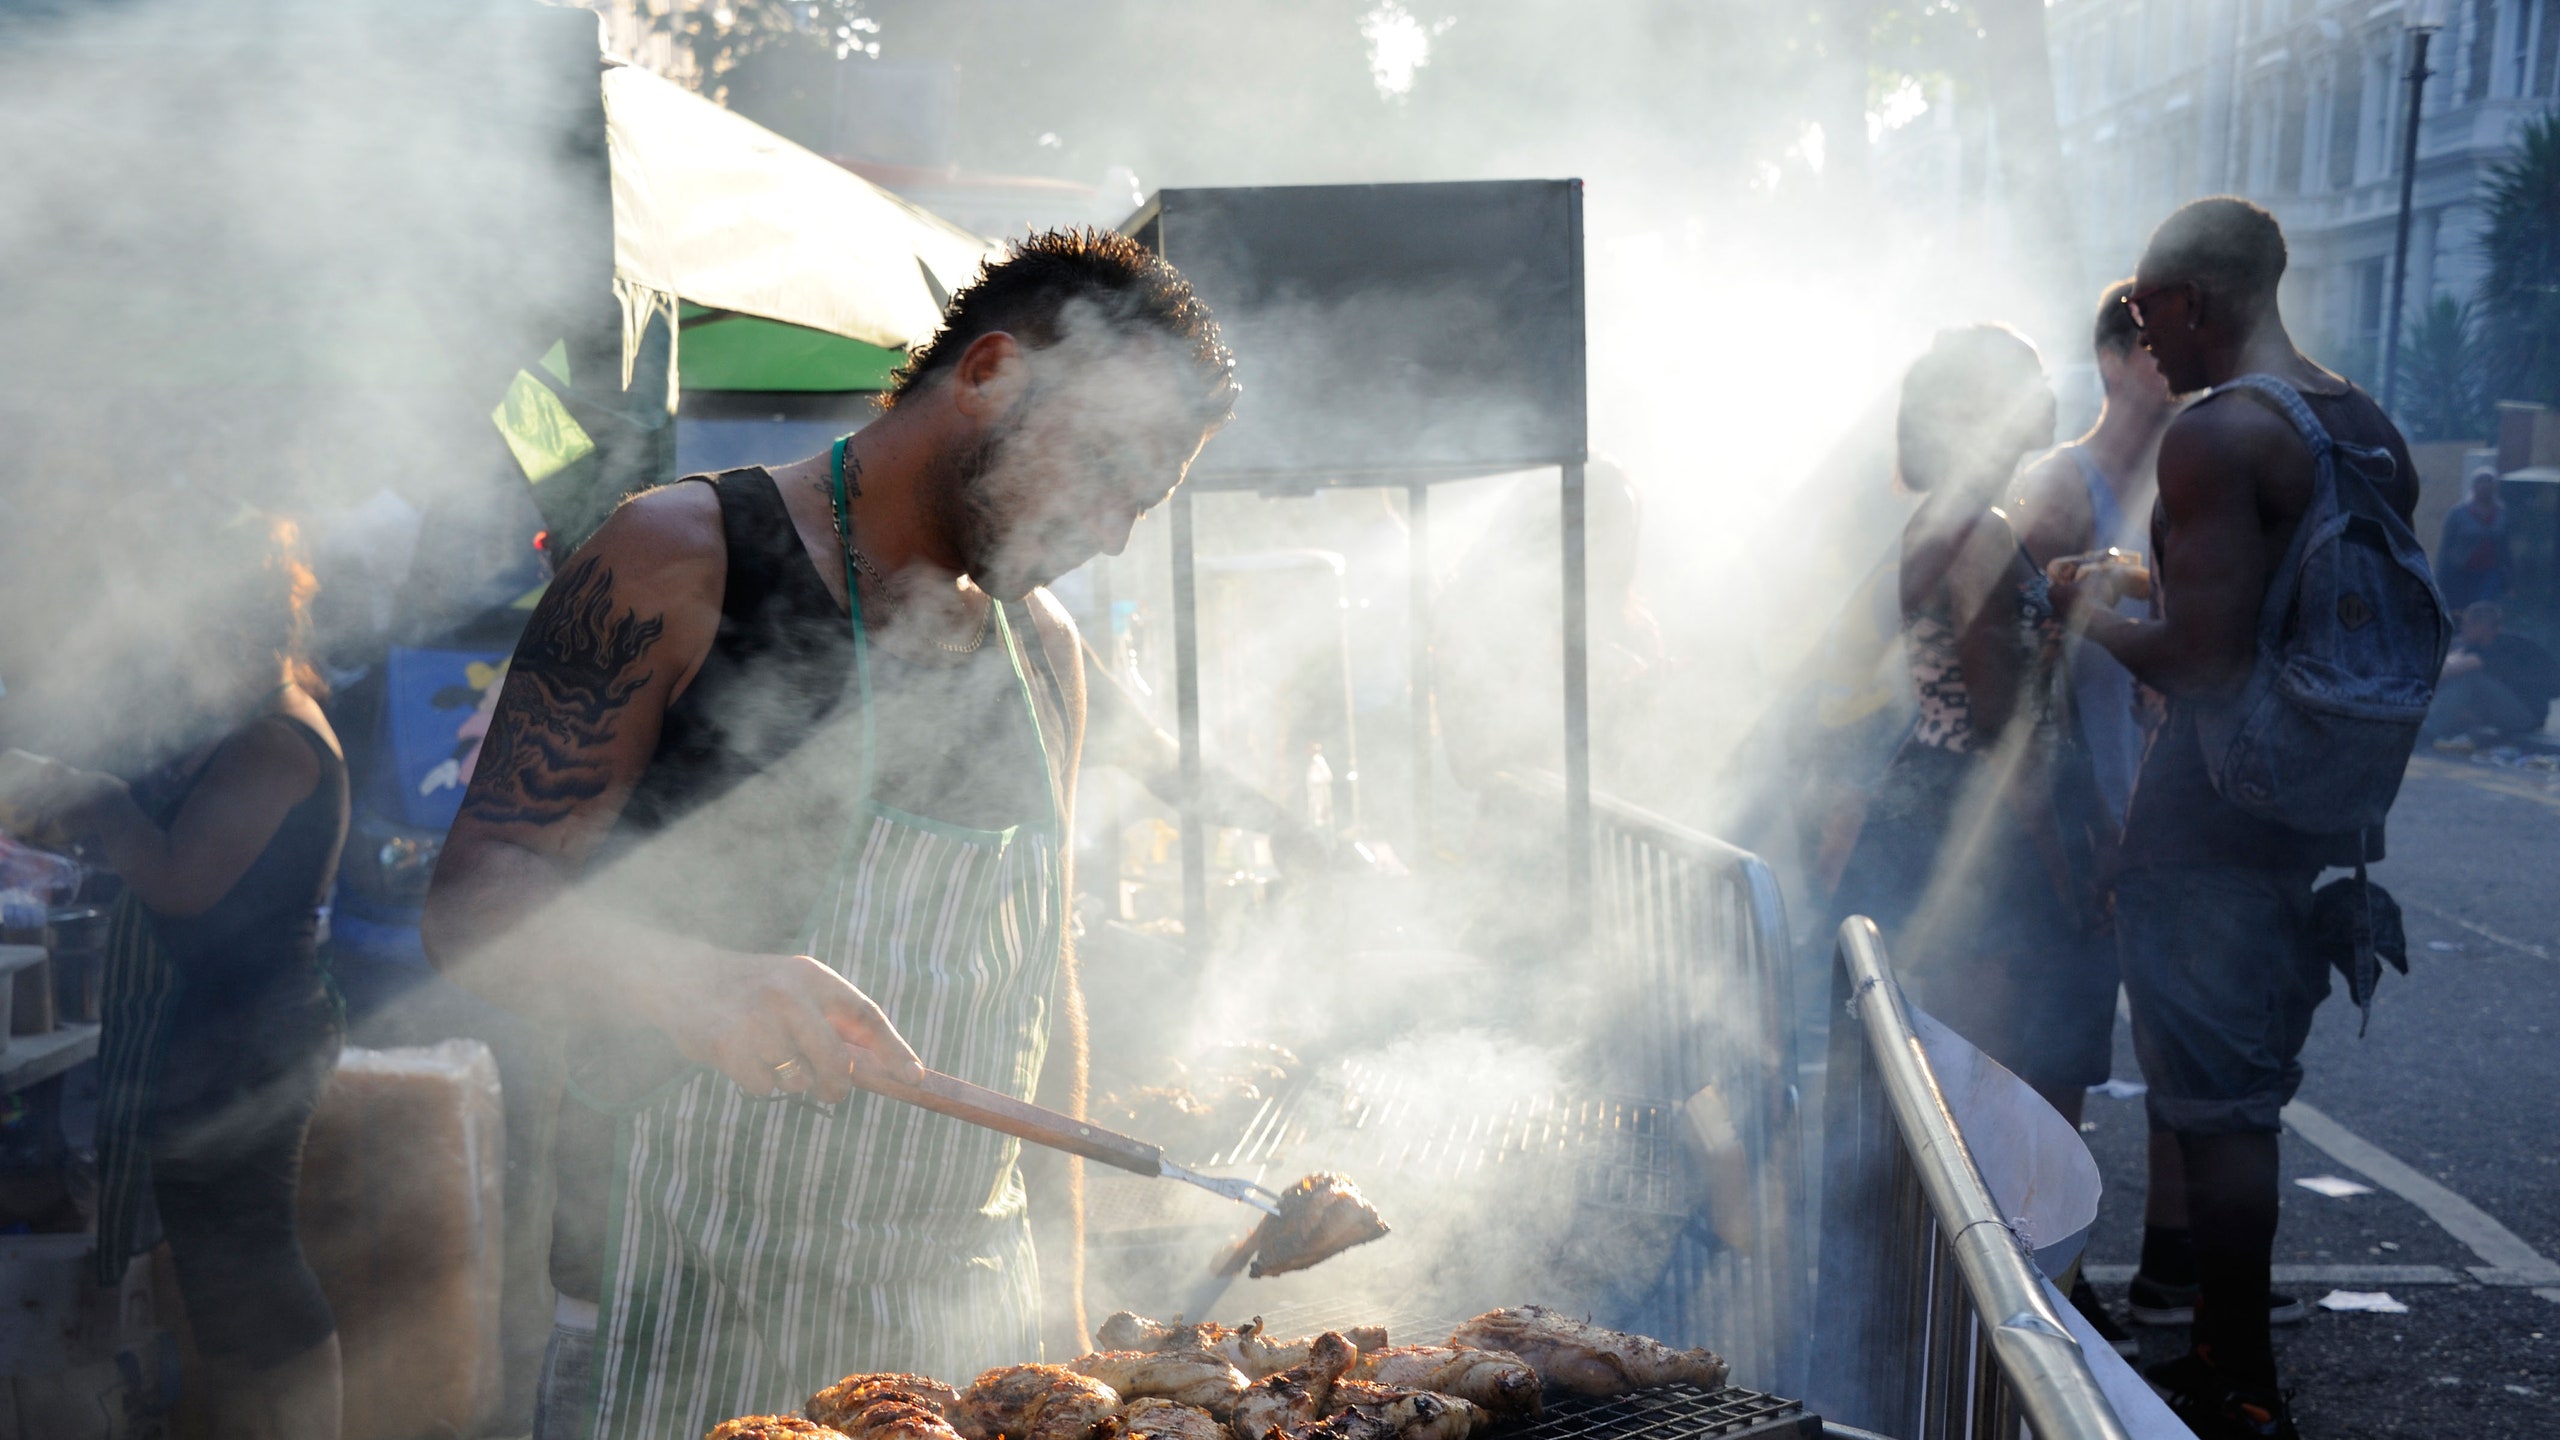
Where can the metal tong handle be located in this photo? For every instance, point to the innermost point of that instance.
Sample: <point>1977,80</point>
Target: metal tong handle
<point>1236,1188</point>
<point>997,1111</point>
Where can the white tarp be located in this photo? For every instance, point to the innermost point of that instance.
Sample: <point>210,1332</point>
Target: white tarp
<point>716,209</point>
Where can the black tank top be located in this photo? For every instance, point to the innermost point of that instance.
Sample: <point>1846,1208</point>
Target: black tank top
<point>258,944</point>
<point>729,833</point>
<point>738,821</point>
<point>2176,817</point>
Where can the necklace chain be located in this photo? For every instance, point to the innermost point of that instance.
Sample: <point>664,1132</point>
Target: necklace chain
<point>836,498</point>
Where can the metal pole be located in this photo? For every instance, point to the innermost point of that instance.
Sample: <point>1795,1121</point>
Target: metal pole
<point>1577,713</point>
<point>2041,1361</point>
<point>1417,518</point>
<point>1186,696</point>
<point>2394,318</point>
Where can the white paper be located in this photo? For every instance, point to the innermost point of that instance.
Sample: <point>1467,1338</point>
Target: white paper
<point>2121,1089</point>
<point>2335,1187</point>
<point>2033,1161</point>
<point>2371,1302</point>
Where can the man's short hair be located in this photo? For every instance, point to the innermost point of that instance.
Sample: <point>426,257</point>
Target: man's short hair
<point>2113,332</point>
<point>1027,293</point>
<point>2222,242</point>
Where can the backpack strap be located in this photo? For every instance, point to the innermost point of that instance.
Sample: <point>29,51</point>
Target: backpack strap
<point>2280,396</point>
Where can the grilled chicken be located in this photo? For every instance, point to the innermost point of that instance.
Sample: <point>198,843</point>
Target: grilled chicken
<point>1243,1346</point>
<point>1190,1377</point>
<point>1295,1398</point>
<point>1320,1217</point>
<point>1153,1418</point>
<point>1236,1346</point>
<point>1502,1385</point>
<point>1579,1356</point>
<point>1377,1413</point>
<point>892,1419</point>
<point>770,1427</point>
<point>1034,1402</point>
<point>1269,1357</point>
<point>885,1407</point>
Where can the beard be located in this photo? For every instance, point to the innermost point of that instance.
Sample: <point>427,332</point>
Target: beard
<point>969,506</point>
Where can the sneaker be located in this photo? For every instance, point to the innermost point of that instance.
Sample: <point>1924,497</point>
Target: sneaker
<point>2215,1409</point>
<point>2094,1310</point>
<point>2153,1303</point>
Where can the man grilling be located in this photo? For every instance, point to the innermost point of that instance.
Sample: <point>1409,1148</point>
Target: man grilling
<point>780,783</point>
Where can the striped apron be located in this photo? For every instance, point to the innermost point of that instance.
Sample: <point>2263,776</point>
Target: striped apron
<point>759,1251</point>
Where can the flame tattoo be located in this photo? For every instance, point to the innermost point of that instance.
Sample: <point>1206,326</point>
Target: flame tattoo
<point>575,669</point>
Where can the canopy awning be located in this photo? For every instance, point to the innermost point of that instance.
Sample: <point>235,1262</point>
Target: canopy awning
<point>715,209</point>
<point>743,352</point>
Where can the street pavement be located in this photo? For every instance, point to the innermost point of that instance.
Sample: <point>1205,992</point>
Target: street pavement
<point>2458,1080</point>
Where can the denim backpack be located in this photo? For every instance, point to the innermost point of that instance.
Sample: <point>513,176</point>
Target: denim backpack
<point>2350,640</point>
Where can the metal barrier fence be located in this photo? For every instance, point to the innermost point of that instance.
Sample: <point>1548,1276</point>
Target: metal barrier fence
<point>1953,1330</point>
<point>1690,935</point>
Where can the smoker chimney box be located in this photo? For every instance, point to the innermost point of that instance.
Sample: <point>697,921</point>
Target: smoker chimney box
<point>1387,333</point>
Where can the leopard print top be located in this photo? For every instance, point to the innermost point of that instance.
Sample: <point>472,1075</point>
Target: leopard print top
<point>1946,704</point>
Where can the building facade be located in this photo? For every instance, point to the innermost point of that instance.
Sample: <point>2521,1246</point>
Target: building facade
<point>2299,105</point>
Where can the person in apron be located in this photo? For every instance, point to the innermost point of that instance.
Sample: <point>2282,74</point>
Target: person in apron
<point>783,770</point>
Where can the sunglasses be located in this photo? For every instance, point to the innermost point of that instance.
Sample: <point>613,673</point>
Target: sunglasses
<point>2133,303</point>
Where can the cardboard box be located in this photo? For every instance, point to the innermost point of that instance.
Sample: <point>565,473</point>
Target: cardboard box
<point>402,1216</point>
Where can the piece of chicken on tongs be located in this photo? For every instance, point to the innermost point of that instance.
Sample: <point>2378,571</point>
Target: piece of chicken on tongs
<point>1320,1217</point>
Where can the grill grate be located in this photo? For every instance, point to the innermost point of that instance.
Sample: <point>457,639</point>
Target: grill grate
<point>1622,1151</point>
<point>1669,1412</point>
<point>1661,1412</point>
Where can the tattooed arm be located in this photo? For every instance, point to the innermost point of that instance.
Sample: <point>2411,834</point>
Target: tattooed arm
<point>618,635</point>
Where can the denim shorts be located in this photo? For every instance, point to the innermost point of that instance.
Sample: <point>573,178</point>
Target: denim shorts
<point>564,1400</point>
<point>2222,981</point>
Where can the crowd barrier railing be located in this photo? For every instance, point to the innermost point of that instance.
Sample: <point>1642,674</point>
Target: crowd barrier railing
<point>1957,1335</point>
<point>1691,934</point>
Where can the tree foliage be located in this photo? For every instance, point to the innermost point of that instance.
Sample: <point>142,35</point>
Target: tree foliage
<point>711,39</point>
<point>2442,391</point>
<point>2520,298</point>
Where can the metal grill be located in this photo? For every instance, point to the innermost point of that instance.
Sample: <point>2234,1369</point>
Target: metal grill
<point>1670,1412</point>
<point>1661,1412</point>
<point>1622,1152</point>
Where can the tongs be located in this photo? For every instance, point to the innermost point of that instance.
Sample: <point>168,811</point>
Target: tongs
<point>995,1110</point>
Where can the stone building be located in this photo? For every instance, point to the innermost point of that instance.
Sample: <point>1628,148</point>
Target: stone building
<point>2299,105</point>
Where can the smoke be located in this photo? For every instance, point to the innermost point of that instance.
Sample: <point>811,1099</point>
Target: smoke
<point>290,254</point>
<point>282,255</point>
<point>1752,306</point>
